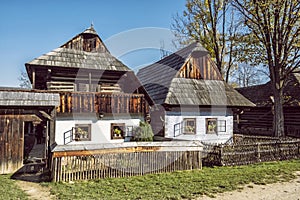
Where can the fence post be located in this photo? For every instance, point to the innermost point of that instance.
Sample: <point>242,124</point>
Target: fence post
<point>221,153</point>
<point>298,144</point>
<point>258,152</point>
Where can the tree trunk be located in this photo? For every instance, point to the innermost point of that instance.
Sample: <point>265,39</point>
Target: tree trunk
<point>278,120</point>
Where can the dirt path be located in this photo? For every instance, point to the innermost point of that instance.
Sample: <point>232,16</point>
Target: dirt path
<point>279,191</point>
<point>35,191</point>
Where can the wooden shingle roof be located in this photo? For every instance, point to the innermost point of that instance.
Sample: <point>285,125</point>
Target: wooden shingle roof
<point>72,54</point>
<point>71,58</point>
<point>17,97</point>
<point>159,80</point>
<point>184,91</point>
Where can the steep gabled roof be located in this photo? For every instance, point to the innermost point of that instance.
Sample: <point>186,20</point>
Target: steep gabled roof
<point>157,77</point>
<point>73,54</point>
<point>164,87</point>
<point>260,94</point>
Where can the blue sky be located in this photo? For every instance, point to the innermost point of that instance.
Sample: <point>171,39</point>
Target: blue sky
<point>133,30</point>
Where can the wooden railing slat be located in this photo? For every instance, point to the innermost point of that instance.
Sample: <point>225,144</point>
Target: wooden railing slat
<point>113,165</point>
<point>102,102</point>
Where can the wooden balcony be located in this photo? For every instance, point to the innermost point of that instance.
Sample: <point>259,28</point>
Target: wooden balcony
<point>92,102</point>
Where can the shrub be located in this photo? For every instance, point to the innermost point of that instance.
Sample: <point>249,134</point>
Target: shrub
<point>143,132</point>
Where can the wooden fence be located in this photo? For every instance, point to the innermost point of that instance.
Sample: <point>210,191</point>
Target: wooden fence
<point>123,162</point>
<point>248,153</point>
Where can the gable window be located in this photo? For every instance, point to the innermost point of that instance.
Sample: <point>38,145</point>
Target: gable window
<point>117,131</point>
<point>211,126</point>
<point>189,125</point>
<point>222,126</point>
<point>82,132</point>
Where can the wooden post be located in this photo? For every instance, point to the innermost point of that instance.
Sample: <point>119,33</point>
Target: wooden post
<point>63,105</point>
<point>69,98</point>
<point>33,78</point>
<point>258,152</point>
<point>90,82</point>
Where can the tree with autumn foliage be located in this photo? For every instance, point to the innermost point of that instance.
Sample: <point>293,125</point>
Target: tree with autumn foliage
<point>275,27</point>
<point>212,23</point>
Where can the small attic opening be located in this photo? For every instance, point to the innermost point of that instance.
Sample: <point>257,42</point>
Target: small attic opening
<point>90,43</point>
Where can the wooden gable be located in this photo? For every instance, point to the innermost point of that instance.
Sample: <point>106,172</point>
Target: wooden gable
<point>86,42</point>
<point>199,67</point>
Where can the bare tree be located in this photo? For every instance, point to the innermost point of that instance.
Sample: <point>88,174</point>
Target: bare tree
<point>24,80</point>
<point>163,51</point>
<point>275,24</point>
<point>246,75</point>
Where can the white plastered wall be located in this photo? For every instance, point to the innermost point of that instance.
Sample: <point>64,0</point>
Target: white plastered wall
<point>173,118</point>
<point>100,130</point>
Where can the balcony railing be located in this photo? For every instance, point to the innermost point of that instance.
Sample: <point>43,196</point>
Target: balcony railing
<point>75,102</point>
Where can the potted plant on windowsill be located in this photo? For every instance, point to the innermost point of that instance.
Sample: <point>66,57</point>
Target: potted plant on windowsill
<point>117,133</point>
<point>211,127</point>
<point>80,133</point>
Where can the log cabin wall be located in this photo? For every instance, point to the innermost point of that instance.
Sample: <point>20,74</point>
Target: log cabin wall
<point>72,79</point>
<point>11,143</point>
<point>259,120</point>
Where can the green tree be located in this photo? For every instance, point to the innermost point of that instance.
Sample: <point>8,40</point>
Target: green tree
<point>275,25</point>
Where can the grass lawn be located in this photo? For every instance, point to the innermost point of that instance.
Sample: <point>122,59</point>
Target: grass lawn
<point>178,185</point>
<point>9,190</point>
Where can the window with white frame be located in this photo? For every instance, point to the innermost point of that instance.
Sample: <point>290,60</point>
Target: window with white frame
<point>129,131</point>
<point>221,125</point>
<point>177,129</point>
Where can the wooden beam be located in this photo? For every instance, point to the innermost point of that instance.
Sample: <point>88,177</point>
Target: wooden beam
<point>95,80</point>
<point>33,78</point>
<point>90,81</point>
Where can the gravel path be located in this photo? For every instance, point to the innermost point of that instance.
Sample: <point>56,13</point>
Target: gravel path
<point>277,191</point>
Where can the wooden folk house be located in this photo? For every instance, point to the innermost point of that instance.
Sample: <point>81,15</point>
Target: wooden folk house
<point>259,119</point>
<point>192,102</point>
<point>101,100</point>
